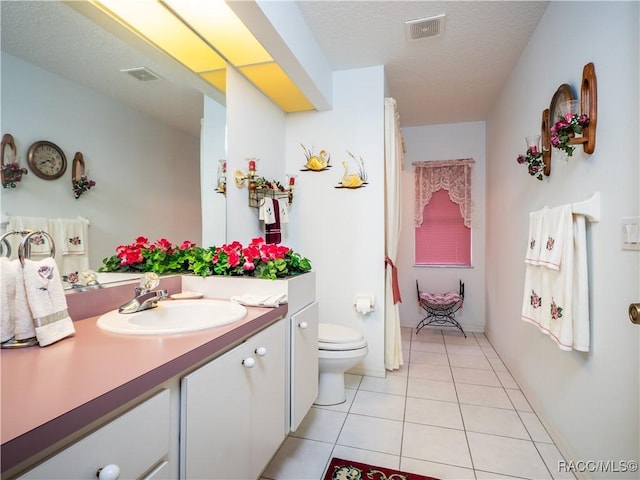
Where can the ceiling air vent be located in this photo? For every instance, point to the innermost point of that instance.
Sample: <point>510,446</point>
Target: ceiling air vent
<point>141,73</point>
<point>425,27</point>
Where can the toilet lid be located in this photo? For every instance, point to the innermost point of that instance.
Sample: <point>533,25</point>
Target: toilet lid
<point>339,337</point>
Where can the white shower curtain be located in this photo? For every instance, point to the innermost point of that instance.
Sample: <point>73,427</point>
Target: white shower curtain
<point>393,153</point>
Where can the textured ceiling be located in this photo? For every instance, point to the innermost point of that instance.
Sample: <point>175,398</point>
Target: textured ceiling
<point>454,77</point>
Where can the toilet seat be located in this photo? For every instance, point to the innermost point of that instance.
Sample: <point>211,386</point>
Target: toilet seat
<point>339,338</point>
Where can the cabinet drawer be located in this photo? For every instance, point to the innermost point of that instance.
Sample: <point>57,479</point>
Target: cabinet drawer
<point>135,441</point>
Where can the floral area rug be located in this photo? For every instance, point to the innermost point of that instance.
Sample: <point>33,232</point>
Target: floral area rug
<point>340,469</point>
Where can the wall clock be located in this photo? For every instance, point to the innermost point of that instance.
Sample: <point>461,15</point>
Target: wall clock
<point>46,160</point>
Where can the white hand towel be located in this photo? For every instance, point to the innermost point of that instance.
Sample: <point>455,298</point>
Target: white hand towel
<point>73,236</point>
<point>267,212</point>
<point>47,301</point>
<point>38,244</point>
<point>21,316</point>
<point>7,296</point>
<point>284,211</point>
<point>557,228</point>
<point>581,336</point>
<point>534,239</point>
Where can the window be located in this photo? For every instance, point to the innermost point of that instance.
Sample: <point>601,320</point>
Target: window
<point>443,238</point>
<point>443,213</point>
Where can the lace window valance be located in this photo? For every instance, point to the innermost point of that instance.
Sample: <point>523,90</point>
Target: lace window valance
<point>452,175</point>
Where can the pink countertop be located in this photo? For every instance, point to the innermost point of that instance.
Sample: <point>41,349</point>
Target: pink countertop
<point>50,393</point>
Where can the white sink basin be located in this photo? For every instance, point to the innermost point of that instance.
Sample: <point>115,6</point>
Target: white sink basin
<point>173,316</point>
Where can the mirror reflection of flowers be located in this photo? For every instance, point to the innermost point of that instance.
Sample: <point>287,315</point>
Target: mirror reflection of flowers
<point>12,174</point>
<point>81,185</point>
<point>565,129</point>
<point>533,159</point>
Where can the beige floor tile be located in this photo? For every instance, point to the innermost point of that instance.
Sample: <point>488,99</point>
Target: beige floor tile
<point>322,425</point>
<point>475,377</point>
<point>436,444</point>
<point>455,336</point>
<point>393,384</point>
<point>381,405</point>
<point>344,406</point>
<point>434,412</point>
<point>455,349</point>
<point>431,389</point>
<point>496,421</point>
<point>436,470</point>
<point>497,365</point>
<point>483,395</point>
<point>519,401</point>
<point>370,433</point>
<point>506,456</point>
<point>366,456</point>
<point>507,380</point>
<point>554,461</point>
<point>469,361</point>
<point>428,347</point>
<point>535,428</point>
<point>351,380</point>
<point>428,335</point>
<point>299,459</point>
<point>430,372</point>
<point>429,358</point>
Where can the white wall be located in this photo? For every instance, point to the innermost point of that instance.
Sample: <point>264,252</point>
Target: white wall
<point>588,401</point>
<point>444,142</point>
<point>255,128</point>
<point>342,230</point>
<point>147,173</point>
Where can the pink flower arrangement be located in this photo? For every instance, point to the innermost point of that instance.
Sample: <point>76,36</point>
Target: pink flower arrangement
<point>258,258</point>
<point>566,128</point>
<point>533,159</point>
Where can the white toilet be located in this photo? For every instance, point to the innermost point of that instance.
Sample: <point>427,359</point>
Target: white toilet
<point>339,349</point>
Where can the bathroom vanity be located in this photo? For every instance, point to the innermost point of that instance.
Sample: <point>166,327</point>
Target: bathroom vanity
<point>211,404</point>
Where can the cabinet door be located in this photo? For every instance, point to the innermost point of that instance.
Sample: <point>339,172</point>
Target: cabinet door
<point>268,419</point>
<point>135,442</point>
<point>304,363</point>
<point>215,403</point>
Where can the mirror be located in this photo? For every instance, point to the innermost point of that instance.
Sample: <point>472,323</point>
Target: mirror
<point>152,147</point>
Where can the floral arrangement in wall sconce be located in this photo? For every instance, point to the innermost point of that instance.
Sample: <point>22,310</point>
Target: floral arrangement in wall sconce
<point>221,183</point>
<point>11,171</point>
<point>570,125</point>
<point>573,122</point>
<point>80,182</point>
<point>316,163</point>
<point>533,157</point>
<point>353,180</point>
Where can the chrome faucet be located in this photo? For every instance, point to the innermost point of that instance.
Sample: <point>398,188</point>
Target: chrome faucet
<point>145,298</point>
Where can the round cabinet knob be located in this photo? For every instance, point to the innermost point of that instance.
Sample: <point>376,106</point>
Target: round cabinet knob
<point>249,362</point>
<point>261,351</point>
<point>303,325</point>
<point>109,472</point>
<point>634,313</point>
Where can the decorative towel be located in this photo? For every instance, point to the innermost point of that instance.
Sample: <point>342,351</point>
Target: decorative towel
<point>556,229</point>
<point>7,296</point>
<point>556,291</point>
<point>272,231</point>
<point>284,212</point>
<point>535,237</point>
<point>22,318</point>
<point>260,300</point>
<point>38,244</point>
<point>47,301</point>
<point>71,234</point>
<point>267,211</point>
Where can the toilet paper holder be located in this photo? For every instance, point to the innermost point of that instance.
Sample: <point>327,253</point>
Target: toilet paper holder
<point>364,303</point>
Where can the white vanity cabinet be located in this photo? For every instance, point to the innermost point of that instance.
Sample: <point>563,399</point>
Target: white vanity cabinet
<point>301,330</point>
<point>136,443</point>
<point>304,363</point>
<point>232,410</point>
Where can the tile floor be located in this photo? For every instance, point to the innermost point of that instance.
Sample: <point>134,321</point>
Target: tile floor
<point>452,411</point>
